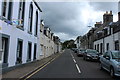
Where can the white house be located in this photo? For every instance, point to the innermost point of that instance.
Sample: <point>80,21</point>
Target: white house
<point>47,43</point>
<point>78,42</point>
<point>19,32</point>
<point>111,39</point>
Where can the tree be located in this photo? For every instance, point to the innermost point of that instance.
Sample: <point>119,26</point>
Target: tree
<point>68,44</point>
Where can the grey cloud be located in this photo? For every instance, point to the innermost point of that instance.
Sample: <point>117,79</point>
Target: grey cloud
<point>65,17</point>
<point>103,6</point>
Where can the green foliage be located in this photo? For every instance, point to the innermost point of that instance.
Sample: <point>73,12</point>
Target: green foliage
<point>68,44</point>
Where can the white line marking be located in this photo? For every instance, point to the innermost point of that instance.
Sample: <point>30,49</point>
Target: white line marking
<point>72,56</point>
<point>74,60</point>
<point>78,69</point>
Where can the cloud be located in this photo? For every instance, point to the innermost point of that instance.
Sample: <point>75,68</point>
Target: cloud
<point>70,19</point>
<point>103,6</point>
<point>64,36</point>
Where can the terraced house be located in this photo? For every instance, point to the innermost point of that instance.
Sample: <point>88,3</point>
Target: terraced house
<point>20,33</point>
<point>108,35</point>
<point>103,36</point>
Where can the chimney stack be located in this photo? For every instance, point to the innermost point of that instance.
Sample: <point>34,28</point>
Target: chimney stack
<point>110,12</point>
<point>108,17</point>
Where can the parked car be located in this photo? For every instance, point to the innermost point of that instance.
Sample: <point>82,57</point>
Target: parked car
<point>80,52</point>
<point>110,61</point>
<point>91,54</point>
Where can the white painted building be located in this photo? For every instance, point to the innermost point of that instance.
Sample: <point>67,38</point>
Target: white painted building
<point>22,34</point>
<point>110,41</point>
<point>47,43</point>
<point>19,27</point>
<point>78,42</point>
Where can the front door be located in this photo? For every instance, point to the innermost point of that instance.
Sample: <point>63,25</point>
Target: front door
<point>19,52</point>
<point>4,51</point>
<point>35,50</point>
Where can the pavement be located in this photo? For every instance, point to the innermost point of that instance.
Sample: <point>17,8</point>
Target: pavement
<point>21,72</point>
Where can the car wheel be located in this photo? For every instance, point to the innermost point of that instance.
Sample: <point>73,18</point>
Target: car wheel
<point>112,72</point>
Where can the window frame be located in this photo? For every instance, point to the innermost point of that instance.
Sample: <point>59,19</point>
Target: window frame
<point>10,11</point>
<point>30,21</point>
<point>21,14</point>
<point>36,24</point>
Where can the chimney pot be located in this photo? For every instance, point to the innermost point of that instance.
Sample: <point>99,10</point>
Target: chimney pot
<point>111,12</point>
<point>106,12</point>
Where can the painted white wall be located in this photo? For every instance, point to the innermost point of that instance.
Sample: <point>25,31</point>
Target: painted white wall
<point>109,39</point>
<point>16,33</point>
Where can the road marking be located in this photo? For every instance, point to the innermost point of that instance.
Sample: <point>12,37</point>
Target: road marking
<point>74,60</point>
<point>72,56</point>
<point>78,69</point>
<point>36,71</point>
<point>41,68</point>
<point>32,71</point>
<point>76,64</point>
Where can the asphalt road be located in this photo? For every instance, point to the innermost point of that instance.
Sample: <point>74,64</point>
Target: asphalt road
<point>68,65</point>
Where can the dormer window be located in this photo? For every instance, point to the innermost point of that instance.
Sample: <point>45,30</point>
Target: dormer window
<point>105,31</point>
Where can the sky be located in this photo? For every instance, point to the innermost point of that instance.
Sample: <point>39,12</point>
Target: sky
<point>71,19</point>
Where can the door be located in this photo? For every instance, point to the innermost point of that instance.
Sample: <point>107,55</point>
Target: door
<point>19,52</point>
<point>29,51</point>
<point>106,61</point>
<point>4,50</point>
<point>35,50</point>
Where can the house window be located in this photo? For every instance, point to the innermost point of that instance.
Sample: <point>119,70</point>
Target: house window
<point>95,47</point>
<point>19,51</point>
<point>4,51</point>
<point>98,47</point>
<point>116,45</point>
<point>107,46</point>
<point>106,32</point>
<point>45,32</point>
<point>29,51</point>
<point>101,47</point>
<point>10,10</point>
<point>21,13</point>
<point>4,7</point>
<point>41,26</point>
<point>30,18</point>
<point>36,23</point>
<point>35,51</point>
